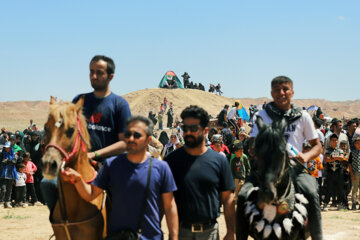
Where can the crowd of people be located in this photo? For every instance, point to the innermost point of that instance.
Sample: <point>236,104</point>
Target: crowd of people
<point>194,169</point>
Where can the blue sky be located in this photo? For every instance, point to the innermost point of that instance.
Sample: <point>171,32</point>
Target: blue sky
<point>46,46</point>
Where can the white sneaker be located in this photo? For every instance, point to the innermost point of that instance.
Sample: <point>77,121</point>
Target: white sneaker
<point>8,205</point>
<point>38,204</point>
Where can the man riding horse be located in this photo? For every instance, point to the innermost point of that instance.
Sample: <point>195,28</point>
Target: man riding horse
<point>299,128</point>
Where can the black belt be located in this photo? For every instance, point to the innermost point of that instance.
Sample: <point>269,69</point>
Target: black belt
<point>198,227</point>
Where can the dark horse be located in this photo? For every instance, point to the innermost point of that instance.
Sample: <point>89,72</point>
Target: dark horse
<point>270,208</point>
<point>67,146</point>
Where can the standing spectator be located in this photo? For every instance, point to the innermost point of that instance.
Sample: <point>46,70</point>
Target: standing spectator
<point>160,120</point>
<point>34,148</point>
<point>8,174</point>
<point>227,135</point>
<point>351,127</point>
<point>354,161</point>
<point>20,187</point>
<point>202,177</point>
<point>30,169</point>
<point>222,117</point>
<point>240,167</point>
<point>152,117</point>
<point>125,176</point>
<point>170,115</point>
<point>337,127</point>
<point>314,166</point>
<point>335,176</point>
<point>165,104</point>
<point>233,117</point>
<point>171,145</point>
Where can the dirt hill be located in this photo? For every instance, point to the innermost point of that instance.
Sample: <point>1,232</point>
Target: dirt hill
<point>16,115</point>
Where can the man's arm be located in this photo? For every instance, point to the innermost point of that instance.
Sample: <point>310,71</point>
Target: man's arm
<point>171,214</point>
<point>111,150</point>
<point>313,153</point>
<point>227,199</point>
<point>87,191</point>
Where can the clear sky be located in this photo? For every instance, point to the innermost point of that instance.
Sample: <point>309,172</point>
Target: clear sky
<point>46,46</point>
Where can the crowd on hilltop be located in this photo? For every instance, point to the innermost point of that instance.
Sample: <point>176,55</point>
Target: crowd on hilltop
<point>20,171</point>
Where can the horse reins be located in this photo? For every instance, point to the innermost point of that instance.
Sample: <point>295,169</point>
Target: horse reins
<point>66,157</point>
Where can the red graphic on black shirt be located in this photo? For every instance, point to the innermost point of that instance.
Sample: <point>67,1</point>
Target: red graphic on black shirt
<point>95,118</point>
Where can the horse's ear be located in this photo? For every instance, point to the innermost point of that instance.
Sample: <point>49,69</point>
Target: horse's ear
<point>79,104</point>
<point>53,100</point>
<point>260,122</point>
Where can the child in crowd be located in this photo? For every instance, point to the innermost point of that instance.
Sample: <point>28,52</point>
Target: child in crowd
<point>354,161</point>
<point>160,120</point>
<point>217,146</point>
<point>20,186</point>
<point>314,166</point>
<point>346,169</point>
<point>7,174</point>
<point>335,177</point>
<point>165,104</point>
<point>240,167</point>
<point>30,169</point>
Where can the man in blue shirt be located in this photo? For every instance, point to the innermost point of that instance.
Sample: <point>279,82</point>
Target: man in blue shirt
<point>125,176</point>
<point>106,115</point>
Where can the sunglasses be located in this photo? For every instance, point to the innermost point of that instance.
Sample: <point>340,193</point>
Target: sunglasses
<point>192,128</point>
<point>136,135</point>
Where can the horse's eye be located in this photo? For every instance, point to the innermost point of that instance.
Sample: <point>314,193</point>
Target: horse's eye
<point>70,132</point>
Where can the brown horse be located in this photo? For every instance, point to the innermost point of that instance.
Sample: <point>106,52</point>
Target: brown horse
<point>67,146</point>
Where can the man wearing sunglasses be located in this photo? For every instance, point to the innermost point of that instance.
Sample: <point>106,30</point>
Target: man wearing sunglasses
<point>125,176</point>
<point>203,177</point>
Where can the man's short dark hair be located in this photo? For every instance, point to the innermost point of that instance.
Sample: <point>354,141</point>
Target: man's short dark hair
<point>149,124</point>
<point>238,146</point>
<point>226,106</point>
<point>237,104</point>
<point>281,80</point>
<point>110,69</point>
<point>318,122</point>
<point>333,136</point>
<point>196,112</point>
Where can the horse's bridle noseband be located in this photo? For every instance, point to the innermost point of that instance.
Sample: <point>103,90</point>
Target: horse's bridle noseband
<point>67,156</point>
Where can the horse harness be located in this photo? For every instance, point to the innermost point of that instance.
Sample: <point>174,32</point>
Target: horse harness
<point>66,157</point>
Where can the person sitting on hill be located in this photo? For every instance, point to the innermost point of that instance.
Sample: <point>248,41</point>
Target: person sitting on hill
<point>218,89</point>
<point>201,87</point>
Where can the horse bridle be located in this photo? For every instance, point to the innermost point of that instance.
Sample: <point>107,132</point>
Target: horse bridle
<point>67,156</point>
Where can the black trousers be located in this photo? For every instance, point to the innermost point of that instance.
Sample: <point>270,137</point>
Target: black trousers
<point>20,194</point>
<point>5,189</point>
<point>30,193</point>
<point>335,186</point>
<point>233,123</point>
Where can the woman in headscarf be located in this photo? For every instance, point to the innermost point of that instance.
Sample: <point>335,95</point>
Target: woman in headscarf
<point>171,145</point>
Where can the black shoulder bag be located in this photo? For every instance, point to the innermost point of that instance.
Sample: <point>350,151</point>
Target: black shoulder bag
<point>129,234</point>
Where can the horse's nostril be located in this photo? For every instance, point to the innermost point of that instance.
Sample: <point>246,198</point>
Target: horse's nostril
<point>53,165</point>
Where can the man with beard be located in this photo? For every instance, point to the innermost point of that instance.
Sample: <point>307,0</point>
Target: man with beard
<point>106,115</point>
<point>203,177</point>
<point>126,176</point>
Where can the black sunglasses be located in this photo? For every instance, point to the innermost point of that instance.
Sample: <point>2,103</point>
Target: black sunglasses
<point>192,128</point>
<point>136,135</point>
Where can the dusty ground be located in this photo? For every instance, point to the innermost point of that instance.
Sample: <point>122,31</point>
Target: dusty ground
<point>32,223</point>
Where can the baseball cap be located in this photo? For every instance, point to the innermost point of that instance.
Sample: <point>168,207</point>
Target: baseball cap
<point>7,144</point>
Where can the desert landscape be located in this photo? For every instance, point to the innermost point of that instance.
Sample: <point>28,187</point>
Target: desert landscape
<point>16,115</point>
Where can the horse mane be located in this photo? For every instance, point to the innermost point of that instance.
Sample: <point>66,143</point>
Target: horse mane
<point>68,112</point>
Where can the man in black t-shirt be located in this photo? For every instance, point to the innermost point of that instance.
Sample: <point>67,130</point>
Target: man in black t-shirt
<point>222,117</point>
<point>203,177</point>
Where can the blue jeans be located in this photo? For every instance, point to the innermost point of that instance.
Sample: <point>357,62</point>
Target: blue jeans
<point>49,191</point>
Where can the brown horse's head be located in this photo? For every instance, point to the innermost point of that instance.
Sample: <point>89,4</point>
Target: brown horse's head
<point>271,156</point>
<point>64,126</point>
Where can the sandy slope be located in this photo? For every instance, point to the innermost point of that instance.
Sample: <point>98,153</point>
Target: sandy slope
<point>16,115</point>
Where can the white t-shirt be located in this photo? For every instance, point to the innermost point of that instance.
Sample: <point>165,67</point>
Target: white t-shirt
<point>295,133</point>
<point>232,113</point>
<point>320,135</point>
<point>21,178</point>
